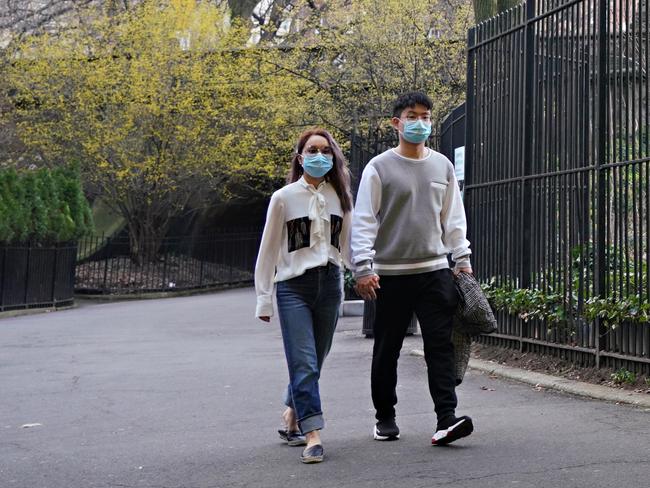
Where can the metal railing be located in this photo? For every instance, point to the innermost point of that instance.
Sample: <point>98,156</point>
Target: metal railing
<point>223,259</point>
<point>558,169</point>
<point>33,276</point>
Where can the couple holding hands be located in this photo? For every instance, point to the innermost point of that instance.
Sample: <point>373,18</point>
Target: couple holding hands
<point>408,217</point>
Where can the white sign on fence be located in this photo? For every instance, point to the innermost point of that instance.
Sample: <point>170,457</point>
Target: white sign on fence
<point>459,164</point>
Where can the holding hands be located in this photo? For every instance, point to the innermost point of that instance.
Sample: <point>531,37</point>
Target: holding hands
<point>366,286</point>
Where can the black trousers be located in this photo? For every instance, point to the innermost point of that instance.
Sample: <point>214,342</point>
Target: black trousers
<point>433,297</point>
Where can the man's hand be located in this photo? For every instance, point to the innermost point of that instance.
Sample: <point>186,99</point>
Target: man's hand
<point>265,318</point>
<point>467,270</point>
<point>366,286</point>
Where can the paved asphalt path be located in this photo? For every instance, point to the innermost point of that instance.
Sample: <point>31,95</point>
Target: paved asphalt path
<point>185,392</point>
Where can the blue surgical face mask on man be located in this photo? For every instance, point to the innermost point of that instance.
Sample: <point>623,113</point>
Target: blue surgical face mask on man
<point>416,131</point>
<point>317,165</point>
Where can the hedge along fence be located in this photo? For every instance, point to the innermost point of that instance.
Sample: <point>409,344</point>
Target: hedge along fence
<point>43,213</point>
<point>42,206</point>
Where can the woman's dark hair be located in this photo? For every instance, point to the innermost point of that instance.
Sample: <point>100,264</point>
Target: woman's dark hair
<point>338,176</point>
<point>410,100</point>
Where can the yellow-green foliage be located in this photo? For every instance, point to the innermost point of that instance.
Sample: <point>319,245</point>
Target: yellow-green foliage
<point>361,54</point>
<point>169,98</point>
<point>170,105</point>
<point>162,106</point>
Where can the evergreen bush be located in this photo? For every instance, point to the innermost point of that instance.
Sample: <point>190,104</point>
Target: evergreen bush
<point>43,206</point>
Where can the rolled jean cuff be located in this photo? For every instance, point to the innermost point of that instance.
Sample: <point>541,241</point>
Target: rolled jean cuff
<point>311,423</point>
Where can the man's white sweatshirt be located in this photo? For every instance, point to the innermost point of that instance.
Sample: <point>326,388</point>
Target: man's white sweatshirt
<point>408,216</point>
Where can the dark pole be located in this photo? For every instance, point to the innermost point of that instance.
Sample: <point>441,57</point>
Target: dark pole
<point>526,192</point>
<point>601,159</point>
<point>29,257</point>
<point>469,108</point>
<point>56,247</point>
<point>2,277</point>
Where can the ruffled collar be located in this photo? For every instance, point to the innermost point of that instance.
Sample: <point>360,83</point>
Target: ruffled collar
<point>317,209</point>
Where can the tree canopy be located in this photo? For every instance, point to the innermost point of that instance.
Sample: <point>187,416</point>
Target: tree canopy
<point>170,106</point>
<point>161,107</point>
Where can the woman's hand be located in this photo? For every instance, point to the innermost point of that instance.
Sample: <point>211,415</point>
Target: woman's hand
<point>265,318</point>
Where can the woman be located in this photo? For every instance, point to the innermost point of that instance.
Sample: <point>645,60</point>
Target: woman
<point>305,239</point>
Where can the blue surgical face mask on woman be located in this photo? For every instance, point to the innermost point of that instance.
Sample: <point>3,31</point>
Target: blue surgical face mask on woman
<point>416,131</point>
<point>317,165</point>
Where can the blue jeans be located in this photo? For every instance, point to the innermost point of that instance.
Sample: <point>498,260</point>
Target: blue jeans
<point>308,308</point>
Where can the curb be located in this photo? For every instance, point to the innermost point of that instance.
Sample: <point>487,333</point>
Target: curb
<point>351,308</point>
<point>565,385</point>
<point>156,295</point>
<point>21,312</point>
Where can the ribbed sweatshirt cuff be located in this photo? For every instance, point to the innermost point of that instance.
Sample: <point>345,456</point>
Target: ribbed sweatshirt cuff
<point>363,268</point>
<point>463,262</point>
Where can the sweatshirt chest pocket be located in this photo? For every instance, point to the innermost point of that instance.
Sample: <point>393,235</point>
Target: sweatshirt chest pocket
<point>438,189</point>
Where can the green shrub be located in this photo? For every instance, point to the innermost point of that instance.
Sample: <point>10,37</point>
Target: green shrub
<point>75,208</point>
<point>54,218</point>
<point>15,213</point>
<point>623,376</point>
<point>556,308</point>
<point>6,232</point>
<point>43,206</point>
<point>36,210</point>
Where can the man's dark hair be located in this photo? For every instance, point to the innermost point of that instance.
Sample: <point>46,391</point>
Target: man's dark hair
<point>410,100</point>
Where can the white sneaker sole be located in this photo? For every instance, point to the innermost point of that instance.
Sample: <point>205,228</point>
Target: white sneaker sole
<point>378,437</point>
<point>460,429</point>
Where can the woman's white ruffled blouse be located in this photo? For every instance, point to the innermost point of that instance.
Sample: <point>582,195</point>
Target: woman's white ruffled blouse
<point>305,228</point>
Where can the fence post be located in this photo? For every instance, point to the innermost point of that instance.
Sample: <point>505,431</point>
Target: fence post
<point>600,261</point>
<point>165,283</point>
<point>108,244</point>
<point>202,258</point>
<point>469,112</point>
<point>527,161</point>
<point>54,274</point>
<point>3,278</point>
<point>73,269</point>
<point>29,257</point>
<point>526,193</point>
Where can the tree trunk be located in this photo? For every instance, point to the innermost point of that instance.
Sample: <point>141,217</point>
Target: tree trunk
<point>145,239</point>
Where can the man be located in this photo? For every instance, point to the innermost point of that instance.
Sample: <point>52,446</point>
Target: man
<point>408,217</point>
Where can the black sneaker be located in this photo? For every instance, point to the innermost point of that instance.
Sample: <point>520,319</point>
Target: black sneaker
<point>386,430</point>
<point>451,429</point>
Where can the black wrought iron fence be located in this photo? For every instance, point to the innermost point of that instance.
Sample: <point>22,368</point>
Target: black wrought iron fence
<point>452,133</point>
<point>35,276</point>
<point>182,263</point>
<point>558,176</point>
